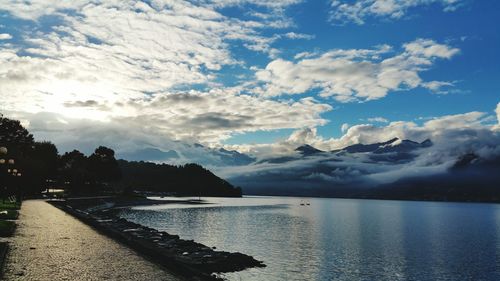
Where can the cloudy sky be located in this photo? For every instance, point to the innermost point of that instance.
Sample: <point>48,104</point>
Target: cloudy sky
<point>250,75</point>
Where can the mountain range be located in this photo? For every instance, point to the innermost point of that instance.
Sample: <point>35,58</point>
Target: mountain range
<point>397,168</point>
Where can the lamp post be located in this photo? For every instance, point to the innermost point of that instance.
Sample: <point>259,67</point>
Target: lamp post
<point>8,173</point>
<point>3,171</point>
<point>17,178</point>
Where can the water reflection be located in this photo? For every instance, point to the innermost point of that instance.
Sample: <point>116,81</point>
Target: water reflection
<point>341,239</point>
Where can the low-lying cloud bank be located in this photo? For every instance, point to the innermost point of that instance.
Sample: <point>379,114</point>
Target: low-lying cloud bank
<point>438,148</point>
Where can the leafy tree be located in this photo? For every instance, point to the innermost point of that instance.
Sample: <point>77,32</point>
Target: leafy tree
<point>73,170</point>
<point>39,165</point>
<point>18,142</point>
<point>103,166</point>
<point>14,136</point>
<point>89,174</point>
<point>47,153</point>
<point>190,179</point>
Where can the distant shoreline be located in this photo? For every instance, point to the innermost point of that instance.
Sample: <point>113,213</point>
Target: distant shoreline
<point>482,201</point>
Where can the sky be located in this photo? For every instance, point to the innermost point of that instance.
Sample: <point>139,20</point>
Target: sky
<point>256,76</point>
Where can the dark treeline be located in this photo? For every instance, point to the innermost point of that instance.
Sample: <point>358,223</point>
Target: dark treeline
<point>190,179</point>
<point>30,167</point>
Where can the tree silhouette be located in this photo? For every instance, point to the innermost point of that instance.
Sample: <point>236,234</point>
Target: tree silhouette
<point>39,165</point>
<point>73,170</point>
<point>14,136</point>
<point>16,141</point>
<point>190,179</point>
<point>103,167</point>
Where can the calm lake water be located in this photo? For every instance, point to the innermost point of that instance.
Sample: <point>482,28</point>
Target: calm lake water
<point>341,239</point>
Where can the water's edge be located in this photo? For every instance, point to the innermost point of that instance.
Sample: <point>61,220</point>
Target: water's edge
<point>186,257</point>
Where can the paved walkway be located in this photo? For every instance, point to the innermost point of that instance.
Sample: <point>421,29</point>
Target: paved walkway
<point>52,245</point>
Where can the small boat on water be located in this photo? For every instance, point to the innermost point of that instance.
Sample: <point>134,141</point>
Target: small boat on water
<point>304,203</point>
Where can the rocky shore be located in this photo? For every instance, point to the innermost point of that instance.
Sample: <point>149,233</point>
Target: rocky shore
<point>186,257</point>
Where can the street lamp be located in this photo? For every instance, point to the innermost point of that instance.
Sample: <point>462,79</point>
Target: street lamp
<point>3,151</point>
<point>4,176</point>
<point>12,171</point>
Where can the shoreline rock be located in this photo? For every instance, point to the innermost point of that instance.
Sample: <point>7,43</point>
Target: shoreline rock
<point>186,257</point>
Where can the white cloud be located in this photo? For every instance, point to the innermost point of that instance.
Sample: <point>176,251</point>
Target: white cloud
<point>263,44</point>
<point>5,36</point>
<point>126,47</point>
<point>206,117</point>
<point>378,120</point>
<point>344,127</point>
<point>497,111</point>
<point>355,74</point>
<point>438,129</point>
<point>423,48</point>
<point>32,10</point>
<point>293,35</point>
<point>443,131</point>
<point>304,55</point>
<point>127,62</point>
<point>303,136</point>
<point>272,16</point>
<point>436,86</point>
<point>345,11</point>
<point>265,3</point>
<point>215,115</point>
<point>116,50</point>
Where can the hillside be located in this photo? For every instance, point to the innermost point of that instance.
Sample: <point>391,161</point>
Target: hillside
<point>189,179</point>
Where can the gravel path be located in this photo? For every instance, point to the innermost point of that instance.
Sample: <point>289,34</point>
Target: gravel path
<point>52,245</point>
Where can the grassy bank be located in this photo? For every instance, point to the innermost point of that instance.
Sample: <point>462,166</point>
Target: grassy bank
<point>8,212</point>
<point>7,228</point>
<point>9,206</point>
<point>3,254</point>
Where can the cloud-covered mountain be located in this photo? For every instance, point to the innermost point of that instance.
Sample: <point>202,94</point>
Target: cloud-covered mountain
<point>450,157</point>
<point>314,168</point>
<point>396,168</point>
<point>394,145</point>
<point>186,153</point>
<point>394,150</point>
<point>308,150</point>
